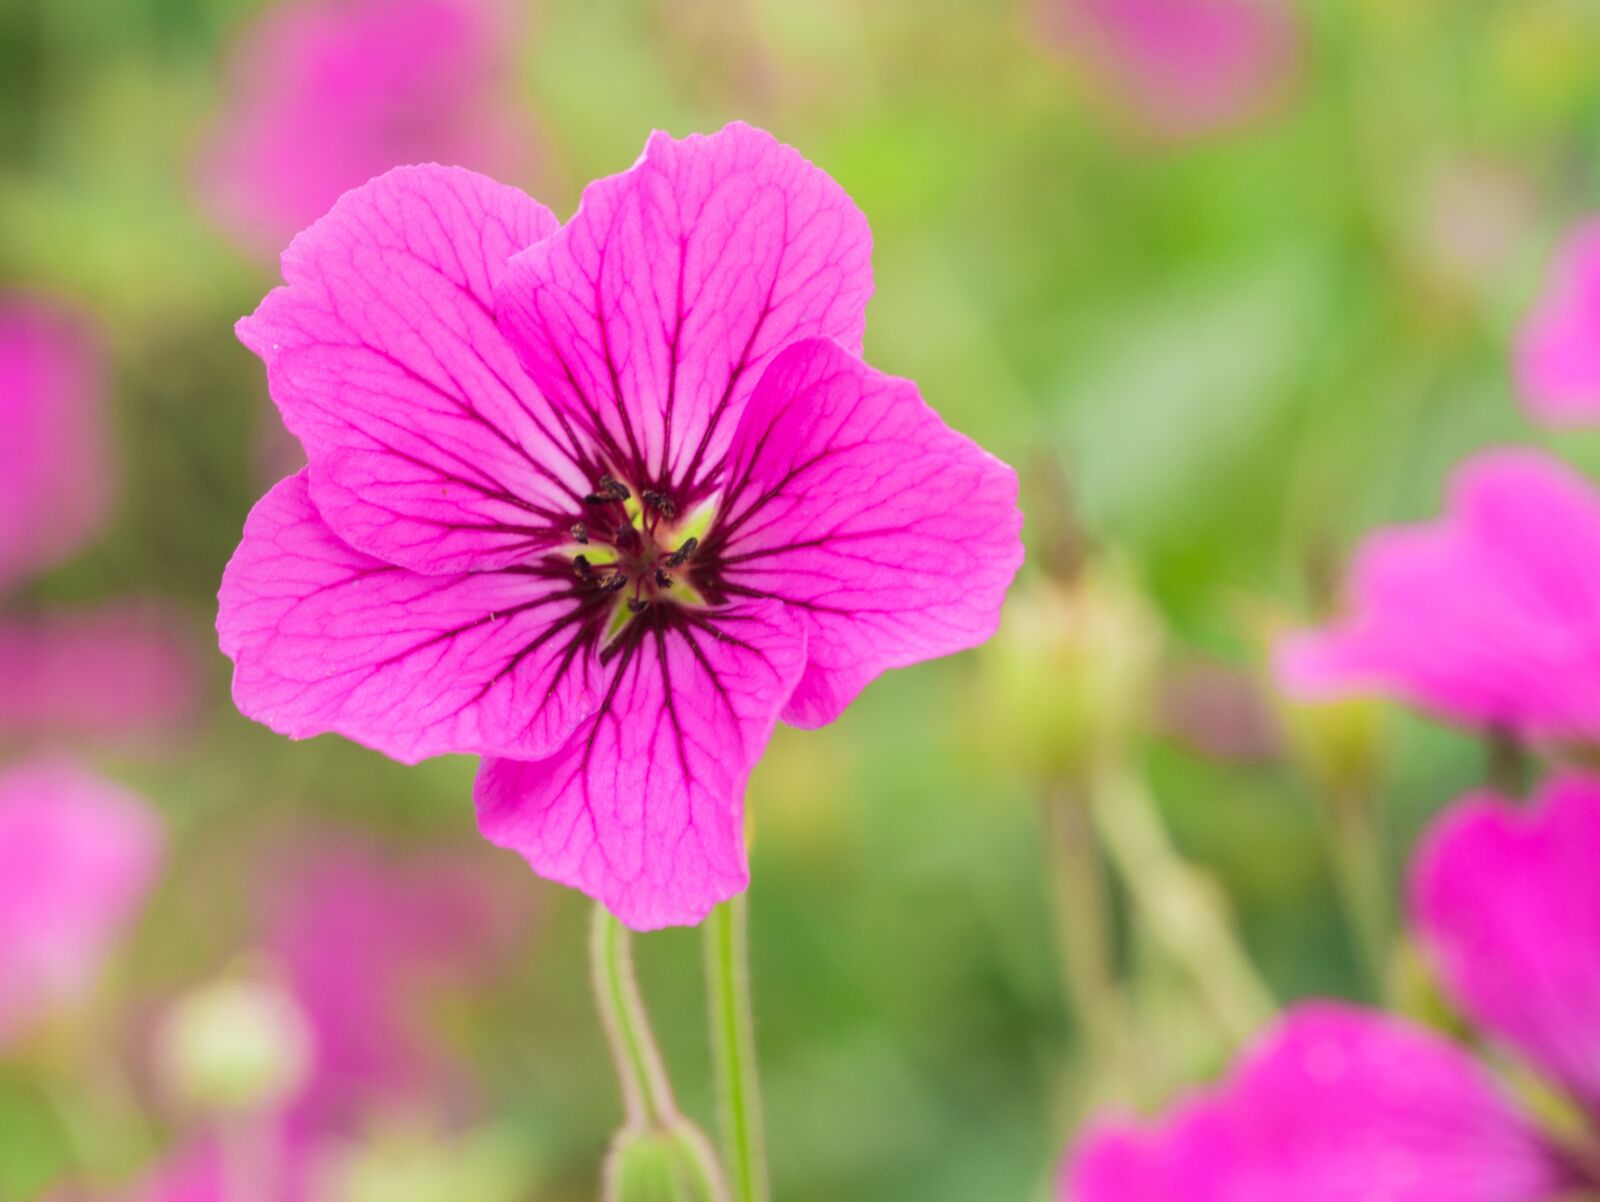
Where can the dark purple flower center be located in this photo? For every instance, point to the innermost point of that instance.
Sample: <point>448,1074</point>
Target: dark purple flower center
<point>632,547</point>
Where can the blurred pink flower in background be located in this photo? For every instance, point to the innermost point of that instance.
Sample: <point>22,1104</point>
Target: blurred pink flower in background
<point>200,1172</point>
<point>1557,356</point>
<point>366,943</point>
<point>323,95</point>
<point>55,469</point>
<point>1182,68</point>
<point>1507,900</point>
<point>1332,1104</point>
<point>118,669</point>
<point>601,503</point>
<point>78,856</point>
<point>1337,1103</point>
<point>121,670</point>
<point>363,945</point>
<point>1489,615</point>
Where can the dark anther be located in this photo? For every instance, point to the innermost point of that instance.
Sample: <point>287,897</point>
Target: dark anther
<point>608,489</point>
<point>580,565</point>
<point>678,557</point>
<point>579,532</point>
<point>613,583</point>
<point>662,579</point>
<point>627,540</point>
<point>661,503</point>
<point>635,605</point>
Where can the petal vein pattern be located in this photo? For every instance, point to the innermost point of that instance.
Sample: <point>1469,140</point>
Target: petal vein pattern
<point>428,444</point>
<point>851,501</point>
<point>644,807</point>
<point>327,638</point>
<point>649,318</point>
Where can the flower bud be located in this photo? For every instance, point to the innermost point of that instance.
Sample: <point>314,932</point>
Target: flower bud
<point>1340,744</point>
<point>1073,668</point>
<point>236,1045</point>
<point>671,1164</point>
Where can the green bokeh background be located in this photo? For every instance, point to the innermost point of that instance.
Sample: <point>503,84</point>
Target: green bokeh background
<point>1237,354</point>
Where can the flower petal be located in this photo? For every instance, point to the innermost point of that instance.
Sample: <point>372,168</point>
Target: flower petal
<point>1558,347</point>
<point>1334,1104</point>
<point>325,638</point>
<point>651,315</point>
<point>644,807</point>
<point>429,447</point>
<point>78,856</point>
<point>851,501</point>
<point>53,462</point>
<point>1489,616</point>
<point>1508,902</point>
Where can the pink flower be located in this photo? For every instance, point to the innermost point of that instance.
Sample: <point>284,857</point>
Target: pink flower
<point>326,94</point>
<point>78,855</point>
<point>604,511</point>
<point>114,670</point>
<point>1490,615</point>
<point>54,469</point>
<point>1184,68</point>
<point>1333,1104</point>
<point>1558,349</point>
<point>363,943</point>
<point>291,1168</point>
<point>1507,900</point>
<point>1337,1103</point>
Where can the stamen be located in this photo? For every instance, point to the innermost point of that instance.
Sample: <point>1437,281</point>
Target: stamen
<point>616,582</point>
<point>661,503</point>
<point>681,555</point>
<point>579,532</point>
<point>581,565</point>
<point>662,579</point>
<point>636,606</point>
<point>608,489</point>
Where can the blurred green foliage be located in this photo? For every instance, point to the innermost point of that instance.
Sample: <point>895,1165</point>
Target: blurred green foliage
<point>1238,354</point>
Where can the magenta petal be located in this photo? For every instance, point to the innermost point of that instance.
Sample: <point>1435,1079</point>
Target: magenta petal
<point>1508,902</point>
<point>1335,1104</point>
<point>54,468</point>
<point>78,855</point>
<point>644,807</point>
<point>428,445</point>
<point>1558,348</point>
<point>650,317</point>
<point>851,501</point>
<point>325,638</point>
<point>1490,615</point>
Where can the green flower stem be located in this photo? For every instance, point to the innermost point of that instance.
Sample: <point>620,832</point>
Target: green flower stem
<point>1182,909</point>
<point>1083,927</point>
<point>1363,882</point>
<point>733,1049</point>
<point>646,1092</point>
